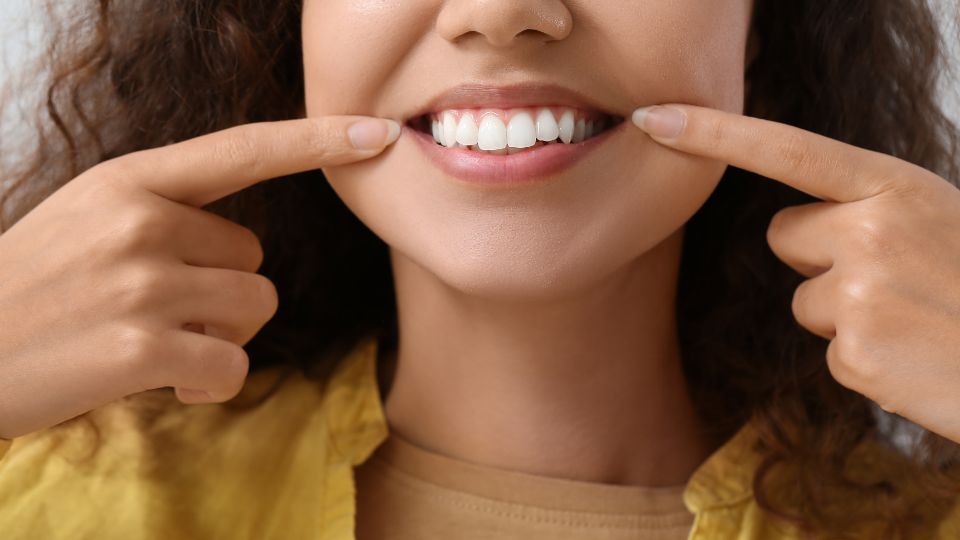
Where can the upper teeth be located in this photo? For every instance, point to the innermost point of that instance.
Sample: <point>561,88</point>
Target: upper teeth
<point>514,128</point>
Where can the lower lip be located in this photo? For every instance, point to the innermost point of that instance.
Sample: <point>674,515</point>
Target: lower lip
<point>511,169</point>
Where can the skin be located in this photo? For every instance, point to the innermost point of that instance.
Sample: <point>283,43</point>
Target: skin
<point>543,316</point>
<point>880,250</point>
<point>159,292</point>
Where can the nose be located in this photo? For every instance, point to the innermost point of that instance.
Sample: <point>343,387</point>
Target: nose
<point>504,22</point>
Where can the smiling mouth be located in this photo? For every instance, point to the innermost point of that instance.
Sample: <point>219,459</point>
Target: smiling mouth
<point>514,130</point>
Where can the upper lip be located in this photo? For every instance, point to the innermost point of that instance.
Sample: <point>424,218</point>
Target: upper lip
<point>472,95</point>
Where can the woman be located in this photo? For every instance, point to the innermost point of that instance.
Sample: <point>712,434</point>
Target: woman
<point>535,311</point>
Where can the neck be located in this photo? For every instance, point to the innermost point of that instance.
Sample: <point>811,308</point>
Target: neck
<point>588,387</point>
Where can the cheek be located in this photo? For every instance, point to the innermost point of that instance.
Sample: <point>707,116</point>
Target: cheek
<point>350,49</point>
<point>683,51</point>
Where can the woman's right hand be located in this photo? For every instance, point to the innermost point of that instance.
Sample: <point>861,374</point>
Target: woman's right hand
<point>119,282</point>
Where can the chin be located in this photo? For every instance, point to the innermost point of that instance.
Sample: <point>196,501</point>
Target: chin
<point>509,272</point>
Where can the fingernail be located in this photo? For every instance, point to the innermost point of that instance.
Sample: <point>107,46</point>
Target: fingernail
<point>660,121</point>
<point>373,134</point>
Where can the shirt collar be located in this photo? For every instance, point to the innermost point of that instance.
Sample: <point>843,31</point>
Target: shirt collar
<point>355,414</point>
<point>358,426</point>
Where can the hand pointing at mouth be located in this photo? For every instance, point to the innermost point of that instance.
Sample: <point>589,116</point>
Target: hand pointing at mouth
<point>119,282</point>
<point>882,251</point>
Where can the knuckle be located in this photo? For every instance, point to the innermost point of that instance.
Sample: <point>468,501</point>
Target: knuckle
<point>888,406</point>
<point>117,175</point>
<point>320,137</point>
<point>203,363</point>
<point>910,181</point>
<point>850,362</point>
<point>107,188</point>
<point>140,226</point>
<point>775,229</point>
<point>854,293</point>
<point>267,292</point>
<point>837,356</point>
<point>135,343</point>
<point>119,169</point>
<point>254,247</point>
<point>232,365</point>
<point>859,306</point>
<point>240,150</point>
<point>138,287</point>
<point>794,152</point>
<point>136,350</point>
<point>873,236</point>
<point>798,302</point>
<point>860,310</point>
<point>238,364</point>
<point>717,135</point>
<point>255,292</point>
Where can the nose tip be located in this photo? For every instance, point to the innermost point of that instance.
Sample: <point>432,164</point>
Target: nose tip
<point>504,22</point>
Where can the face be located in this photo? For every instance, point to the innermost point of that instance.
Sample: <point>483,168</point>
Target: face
<point>572,228</point>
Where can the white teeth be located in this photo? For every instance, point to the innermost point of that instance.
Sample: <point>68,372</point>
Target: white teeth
<point>449,130</point>
<point>527,128</point>
<point>547,128</point>
<point>521,132</point>
<point>492,134</point>
<point>566,126</point>
<point>467,130</point>
<point>578,130</point>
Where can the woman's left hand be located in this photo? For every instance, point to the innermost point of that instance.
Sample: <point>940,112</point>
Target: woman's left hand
<point>882,250</point>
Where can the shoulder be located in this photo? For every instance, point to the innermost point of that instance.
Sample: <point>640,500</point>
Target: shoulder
<point>150,463</point>
<point>949,526</point>
<point>724,491</point>
<point>929,510</point>
<point>154,426</point>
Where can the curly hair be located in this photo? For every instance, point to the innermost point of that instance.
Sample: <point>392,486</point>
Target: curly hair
<point>122,75</point>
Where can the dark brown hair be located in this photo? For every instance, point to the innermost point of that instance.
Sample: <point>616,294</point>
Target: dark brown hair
<point>129,75</point>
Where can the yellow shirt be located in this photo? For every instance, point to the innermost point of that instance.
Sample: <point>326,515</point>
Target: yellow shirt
<point>281,470</point>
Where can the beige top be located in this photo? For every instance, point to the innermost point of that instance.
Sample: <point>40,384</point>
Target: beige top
<point>405,492</point>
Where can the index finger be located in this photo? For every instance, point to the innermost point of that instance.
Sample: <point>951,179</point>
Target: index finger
<point>201,170</point>
<point>817,165</point>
